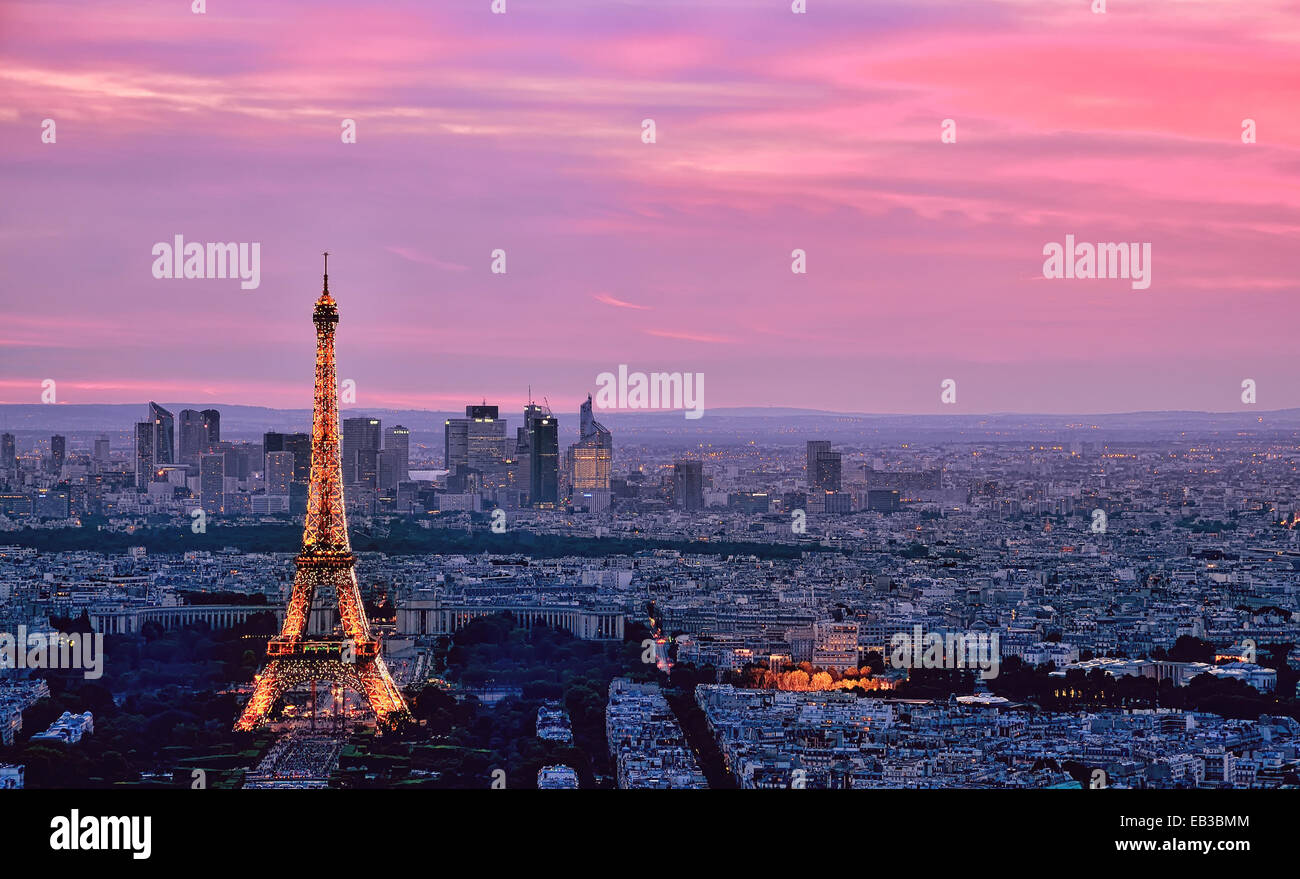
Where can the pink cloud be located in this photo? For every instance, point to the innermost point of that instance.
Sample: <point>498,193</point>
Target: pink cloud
<point>689,337</point>
<point>618,303</point>
<point>415,256</point>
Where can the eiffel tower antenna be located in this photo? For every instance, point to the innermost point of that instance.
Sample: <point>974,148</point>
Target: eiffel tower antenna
<point>326,570</point>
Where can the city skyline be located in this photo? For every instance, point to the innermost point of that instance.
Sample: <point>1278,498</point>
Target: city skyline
<point>819,132</point>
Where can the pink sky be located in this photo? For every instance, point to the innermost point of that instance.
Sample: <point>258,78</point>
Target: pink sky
<point>774,132</point>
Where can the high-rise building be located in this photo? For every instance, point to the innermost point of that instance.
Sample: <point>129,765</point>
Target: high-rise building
<point>299,444</point>
<point>388,470</point>
<point>199,431</point>
<point>361,437</point>
<point>455,444</point>
<point>485,438</point>
<point>524,452</point>
<point>165,434</point>
<point>519,466</point>
<point>154,445</point>
<point>542,432</point>
<point>590,460</point>
<point>368,467</point>
<point>397,440</point>
<point>588,426</point>
<point>58,453</point>
<point>279,472</point>
<point>8,452</point>
<point>242,459</point>
<point>190,431</point>
<point>212,424</point>
<point>146,448</point>
<point>823,467</point>
<point>828,472</point>
<point>212,482</point>
<point>477,441</point>
<point>101,448</point>
<point>688,485</point>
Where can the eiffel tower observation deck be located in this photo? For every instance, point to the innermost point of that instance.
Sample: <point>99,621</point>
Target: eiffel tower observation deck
<point>325,580</point>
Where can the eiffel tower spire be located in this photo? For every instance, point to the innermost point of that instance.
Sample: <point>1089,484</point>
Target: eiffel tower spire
<point>326,531</point>
<point>326,578</point>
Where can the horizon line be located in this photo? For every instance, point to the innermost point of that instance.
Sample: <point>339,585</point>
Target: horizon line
<point>798,410</point>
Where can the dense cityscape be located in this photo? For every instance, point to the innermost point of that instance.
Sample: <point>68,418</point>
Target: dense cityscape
<point>977,610</point>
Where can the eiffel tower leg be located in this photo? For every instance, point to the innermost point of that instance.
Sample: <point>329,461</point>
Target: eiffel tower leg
<point>268,688</point>
<point>382,693</point>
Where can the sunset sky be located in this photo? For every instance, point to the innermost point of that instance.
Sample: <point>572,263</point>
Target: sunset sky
<point>775,131</point>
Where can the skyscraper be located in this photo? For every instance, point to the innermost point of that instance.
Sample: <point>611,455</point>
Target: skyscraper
<point>8,452</point>
<point>212,483</point>
<point>361,450</point>
<point>823,467</point>
<point>688,485</point>
<point>299,444</point>
<point>388,470</point>
<point>590,460</point>
<point>101,448</point>
<point>190,430</point>
<point>485,438</point>
<point>164,436</point>
<point>146,447</point>
<point>368,467</point>
<point>455,445</point>
<point>397,440</point>
<point>58,453</point>
<point>477,441</point>
<point>542,437</point>
<point>523,459</point>
<point>199,431</point>
<point>279,472</point>
<point>816,448</point>
<point>212,424</point>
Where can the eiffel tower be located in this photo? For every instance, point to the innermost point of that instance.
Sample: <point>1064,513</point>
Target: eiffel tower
<point>326,573</point>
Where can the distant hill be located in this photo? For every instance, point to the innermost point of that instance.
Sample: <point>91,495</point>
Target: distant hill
<point>731,424</point>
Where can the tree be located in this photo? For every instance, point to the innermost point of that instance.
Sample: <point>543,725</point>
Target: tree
<point>1190,649</point>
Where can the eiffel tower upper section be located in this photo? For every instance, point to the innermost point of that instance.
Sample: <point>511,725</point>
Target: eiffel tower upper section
<point>326,532</point>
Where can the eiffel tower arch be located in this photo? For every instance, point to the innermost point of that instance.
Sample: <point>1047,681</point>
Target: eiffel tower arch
<point>326,572</point>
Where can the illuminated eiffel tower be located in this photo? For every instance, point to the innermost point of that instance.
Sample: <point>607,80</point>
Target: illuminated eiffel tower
<point>326,573</point>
